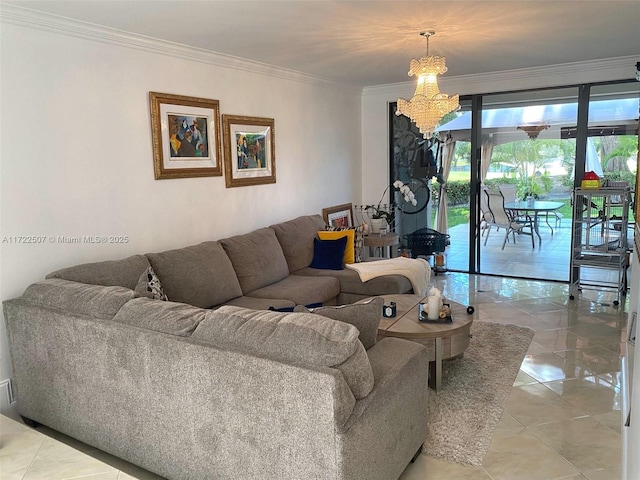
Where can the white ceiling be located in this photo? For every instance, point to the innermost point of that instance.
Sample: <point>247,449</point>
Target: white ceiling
<point>366,43</point>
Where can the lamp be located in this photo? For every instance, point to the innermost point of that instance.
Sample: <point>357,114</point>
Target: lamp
<point>428,105</point>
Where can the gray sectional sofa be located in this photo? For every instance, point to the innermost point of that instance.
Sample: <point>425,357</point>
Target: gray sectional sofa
<point>268,267</point>
<point>231,392</point>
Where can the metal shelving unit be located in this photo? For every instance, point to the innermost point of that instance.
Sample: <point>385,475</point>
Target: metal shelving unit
<point>599,240</point>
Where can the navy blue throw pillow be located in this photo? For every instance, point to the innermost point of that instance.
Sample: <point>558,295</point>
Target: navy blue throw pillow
<point>329,254</point>
<point>290,309</point>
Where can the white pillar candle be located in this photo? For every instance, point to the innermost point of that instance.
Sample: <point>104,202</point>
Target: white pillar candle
<point>433,307</point>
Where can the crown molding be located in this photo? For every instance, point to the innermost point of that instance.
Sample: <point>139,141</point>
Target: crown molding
<point>609,69</point>
<point>25,17</point>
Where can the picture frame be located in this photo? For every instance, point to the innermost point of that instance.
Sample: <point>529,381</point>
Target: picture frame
<point>185,132</point>
<point>249,150</point>
<point>339,215</point>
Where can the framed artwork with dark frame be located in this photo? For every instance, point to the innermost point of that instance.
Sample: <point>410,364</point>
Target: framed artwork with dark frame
<point>186,136</point>
<point>249,150</point>
<point>338,216</point>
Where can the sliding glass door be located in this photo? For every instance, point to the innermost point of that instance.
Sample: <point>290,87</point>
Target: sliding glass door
<point>525,146</point>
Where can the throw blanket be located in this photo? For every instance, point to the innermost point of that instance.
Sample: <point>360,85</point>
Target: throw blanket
<point>417,270</point>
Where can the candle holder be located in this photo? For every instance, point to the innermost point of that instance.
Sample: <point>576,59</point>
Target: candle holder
<point>444,314</point>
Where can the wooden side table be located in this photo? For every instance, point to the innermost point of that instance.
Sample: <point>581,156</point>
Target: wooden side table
<point>382,244</point>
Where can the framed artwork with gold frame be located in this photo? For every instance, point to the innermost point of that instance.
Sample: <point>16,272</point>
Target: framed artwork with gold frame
<point>249,150</point>
<point>185,132</point>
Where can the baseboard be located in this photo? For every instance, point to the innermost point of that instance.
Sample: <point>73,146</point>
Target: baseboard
<point>8,396</point>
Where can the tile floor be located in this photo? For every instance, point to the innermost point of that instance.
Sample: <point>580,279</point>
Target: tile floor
<point>549,260</point>
<point>562,420</point>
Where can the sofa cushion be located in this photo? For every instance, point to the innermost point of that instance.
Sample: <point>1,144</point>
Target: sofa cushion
<point>257,258</point>
<point>358,241</point>
<point>296,238</point>
<point>124,273</point>
<point>78,298</point>
<point>302,290</point>
<point>291,337</point>
<point>365,316</point>
<point>201,275</point>
<point>350,282</point>
<point>166,317</point>
<point>329,254</point>
<point>349,256</point>
<point>149,285</point>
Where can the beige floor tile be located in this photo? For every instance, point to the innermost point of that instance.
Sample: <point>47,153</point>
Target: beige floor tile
<point>590,394</point>
<point>18,446</point>
<point>583,442</point>
<point>604,474</point>
<point>429,468</point>
<point>547,367</point>
<point>612,420</point>
<point>594,360</point>
<point>540,306</point>
<point>57,461</point>
<point>521,455</point>
<point>507,422</point>
<point>556,339</point>
<point>536,349</point>
<point>536,404</point>
<point>524,379</point>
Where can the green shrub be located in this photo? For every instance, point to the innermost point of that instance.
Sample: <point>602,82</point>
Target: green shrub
<point>458,192</point>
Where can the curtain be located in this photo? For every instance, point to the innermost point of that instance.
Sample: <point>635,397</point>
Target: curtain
<point>485,158</point>
<point>442,217</point>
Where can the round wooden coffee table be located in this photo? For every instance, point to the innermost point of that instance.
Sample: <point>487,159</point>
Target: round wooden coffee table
<point>444,340</point>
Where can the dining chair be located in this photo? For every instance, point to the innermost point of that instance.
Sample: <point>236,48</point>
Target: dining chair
<point>508,191</point>
<point>485,213</point>
<point>502,219</point>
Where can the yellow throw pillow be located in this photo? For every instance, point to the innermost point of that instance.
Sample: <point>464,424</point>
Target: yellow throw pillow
<point>349,256</point>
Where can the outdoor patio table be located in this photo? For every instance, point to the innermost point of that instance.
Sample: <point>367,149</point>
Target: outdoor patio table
<point>539,206</point>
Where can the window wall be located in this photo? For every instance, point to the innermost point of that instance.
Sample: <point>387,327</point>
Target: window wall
<point>530,146</point>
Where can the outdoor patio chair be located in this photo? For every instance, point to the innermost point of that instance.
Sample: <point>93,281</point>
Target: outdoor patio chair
<point>485,213</point>
<point>502,219</point>
<point>508,191</point>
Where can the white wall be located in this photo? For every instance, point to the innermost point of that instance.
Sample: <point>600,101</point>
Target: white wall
<point>375,104</point>
<point>76,154</point>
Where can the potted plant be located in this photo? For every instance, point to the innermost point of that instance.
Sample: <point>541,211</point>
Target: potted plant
<point>382,213</point>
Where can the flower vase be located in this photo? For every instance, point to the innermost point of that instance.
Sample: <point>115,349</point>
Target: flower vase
<point>376,225</point>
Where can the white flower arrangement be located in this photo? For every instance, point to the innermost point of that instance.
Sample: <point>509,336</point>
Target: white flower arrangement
<point>380,210</point>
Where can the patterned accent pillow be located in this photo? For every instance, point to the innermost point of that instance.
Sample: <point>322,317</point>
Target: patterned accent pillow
<point>358,242</point>
<point>149,285</point>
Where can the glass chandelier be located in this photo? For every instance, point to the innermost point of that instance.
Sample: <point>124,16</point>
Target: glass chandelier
<point>428,105</point>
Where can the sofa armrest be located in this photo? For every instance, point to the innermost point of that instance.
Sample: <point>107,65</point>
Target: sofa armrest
<point>390,424</point>
<point>395,362</point>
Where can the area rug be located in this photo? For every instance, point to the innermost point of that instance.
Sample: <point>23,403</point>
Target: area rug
<point>464,413</point>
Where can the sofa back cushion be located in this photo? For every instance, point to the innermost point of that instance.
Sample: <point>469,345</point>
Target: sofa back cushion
<point>96,301</point>
<point>167,317</point>
<point>201,275</point>
<point>291,337</point>
<point>364,315</point>
<point>124,273</point>
<point>257,259</point>
<point>296,238</point>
